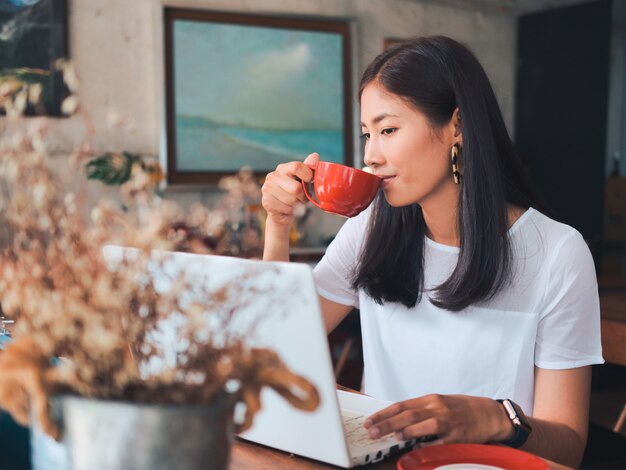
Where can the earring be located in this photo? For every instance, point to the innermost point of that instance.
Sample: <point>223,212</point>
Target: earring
<point>456,149</point>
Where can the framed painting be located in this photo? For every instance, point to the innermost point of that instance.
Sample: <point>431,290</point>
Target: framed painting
<point>33,36</point>
<point>255,91</point>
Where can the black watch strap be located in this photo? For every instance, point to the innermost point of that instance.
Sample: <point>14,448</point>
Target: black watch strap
<point>518,420</point>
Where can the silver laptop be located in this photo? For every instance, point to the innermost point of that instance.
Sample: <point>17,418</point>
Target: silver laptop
<point>282,301</point>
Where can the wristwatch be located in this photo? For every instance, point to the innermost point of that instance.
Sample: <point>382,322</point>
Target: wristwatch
<point>519,421</point>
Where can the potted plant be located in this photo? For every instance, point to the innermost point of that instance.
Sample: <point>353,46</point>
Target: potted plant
<point>78,366</point>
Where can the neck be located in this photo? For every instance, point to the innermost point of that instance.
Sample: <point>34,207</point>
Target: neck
<point>442,220</point>
<point>441,216</point>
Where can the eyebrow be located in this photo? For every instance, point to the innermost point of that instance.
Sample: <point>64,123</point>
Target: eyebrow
<point>379,118</point>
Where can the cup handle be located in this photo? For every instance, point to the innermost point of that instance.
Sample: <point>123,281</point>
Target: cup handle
<point>305,187</point>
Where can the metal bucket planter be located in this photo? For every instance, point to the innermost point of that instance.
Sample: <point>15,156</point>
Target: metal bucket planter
<point>113,435</point>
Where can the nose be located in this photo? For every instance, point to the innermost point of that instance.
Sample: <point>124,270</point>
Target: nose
<point>372,156</point>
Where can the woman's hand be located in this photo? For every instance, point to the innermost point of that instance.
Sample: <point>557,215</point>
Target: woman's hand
<point>282,190</point>
<point>451,418</point>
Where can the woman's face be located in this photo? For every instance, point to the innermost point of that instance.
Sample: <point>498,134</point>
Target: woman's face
<point>401,147</point>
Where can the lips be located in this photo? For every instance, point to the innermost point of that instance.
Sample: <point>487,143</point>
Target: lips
<point>387,179</point>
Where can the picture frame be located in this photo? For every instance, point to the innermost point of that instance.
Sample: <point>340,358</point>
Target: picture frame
<point>34,37</point>
<point>253,90</point>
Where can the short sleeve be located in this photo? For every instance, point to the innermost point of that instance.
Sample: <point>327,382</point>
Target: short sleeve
<point>568,334</point>
<point>333,273</point>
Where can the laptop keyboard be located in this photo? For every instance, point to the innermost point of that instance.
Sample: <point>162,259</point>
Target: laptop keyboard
<point>355,432</point>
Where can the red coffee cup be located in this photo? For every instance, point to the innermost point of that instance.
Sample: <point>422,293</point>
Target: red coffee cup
<point>341,189</point>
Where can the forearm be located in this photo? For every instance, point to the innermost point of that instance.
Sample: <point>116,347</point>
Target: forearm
<point>555,441</point>
<point>276,246</point>
<point>561,411</point>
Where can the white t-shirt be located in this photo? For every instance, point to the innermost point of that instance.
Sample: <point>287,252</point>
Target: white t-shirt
<point>549,317</point>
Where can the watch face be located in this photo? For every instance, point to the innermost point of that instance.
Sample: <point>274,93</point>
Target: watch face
<point>508,406</point>
<point>523,421</point>
<point>520,424</point>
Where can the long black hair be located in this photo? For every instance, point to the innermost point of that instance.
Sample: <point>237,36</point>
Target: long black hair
<point>436,75</point>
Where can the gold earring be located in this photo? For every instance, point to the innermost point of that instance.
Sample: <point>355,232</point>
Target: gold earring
<point>456,149</point>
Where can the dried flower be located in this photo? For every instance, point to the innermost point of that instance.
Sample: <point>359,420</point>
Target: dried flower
<point>69,105</point>
<point>100,323</point>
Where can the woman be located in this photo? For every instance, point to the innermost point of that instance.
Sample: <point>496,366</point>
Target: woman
<point>467,293</point>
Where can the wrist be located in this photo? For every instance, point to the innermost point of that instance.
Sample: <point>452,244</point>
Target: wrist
<point>503,429</point>
<point>521,426</point>
<point>276,246</point>
<point>279,221</point>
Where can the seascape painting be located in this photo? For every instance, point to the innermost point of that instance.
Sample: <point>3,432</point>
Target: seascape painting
<point>33,36</point>
<point>255,95</point>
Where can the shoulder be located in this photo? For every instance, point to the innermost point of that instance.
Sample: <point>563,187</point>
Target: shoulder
<point>558,237</point>
<point>535,227</point>
<point>564,249</point>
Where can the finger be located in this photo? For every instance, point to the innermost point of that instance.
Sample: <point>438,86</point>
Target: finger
<point>287,199</point>
<point>283,187</point>
<point>312,160</point>
<point>391,410</point>
<point>274,205</point>
<point>295,170</point>
<point>427,403</point>
<point>398,422</point>
<point>292,187</point>
<point>423,429</point>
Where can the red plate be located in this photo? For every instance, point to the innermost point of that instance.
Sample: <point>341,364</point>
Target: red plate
<point>455,455</point>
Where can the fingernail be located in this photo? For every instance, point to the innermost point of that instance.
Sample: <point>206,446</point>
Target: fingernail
<point>367,423</point>
<point>374,432</point>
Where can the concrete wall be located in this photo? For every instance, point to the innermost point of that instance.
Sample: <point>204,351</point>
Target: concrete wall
<point>116,46</point>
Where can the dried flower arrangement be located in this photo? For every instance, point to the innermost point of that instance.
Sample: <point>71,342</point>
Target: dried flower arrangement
<point>68,304</point>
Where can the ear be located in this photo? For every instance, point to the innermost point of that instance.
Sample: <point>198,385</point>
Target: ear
<point>456,122</point>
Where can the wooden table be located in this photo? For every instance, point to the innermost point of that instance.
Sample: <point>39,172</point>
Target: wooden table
<point>613,314</point>
<point>246,455</point>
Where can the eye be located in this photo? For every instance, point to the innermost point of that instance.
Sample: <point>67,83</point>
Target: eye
<point>389,130</point>
<point>365,136</point>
